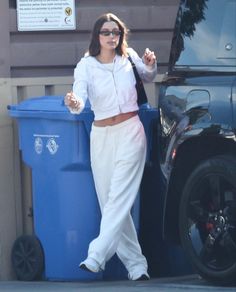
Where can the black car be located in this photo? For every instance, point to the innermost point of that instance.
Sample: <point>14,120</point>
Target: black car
<point>197,138</point>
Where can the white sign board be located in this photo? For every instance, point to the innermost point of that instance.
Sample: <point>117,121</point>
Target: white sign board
<point>34,15</point>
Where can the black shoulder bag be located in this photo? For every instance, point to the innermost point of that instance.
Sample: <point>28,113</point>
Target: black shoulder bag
<point>142,97</point>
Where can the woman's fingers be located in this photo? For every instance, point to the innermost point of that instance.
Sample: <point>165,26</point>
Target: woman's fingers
<point>149,57</point>
<point>71,101</point>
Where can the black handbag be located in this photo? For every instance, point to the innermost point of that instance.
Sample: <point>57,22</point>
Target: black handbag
<point>141,94</point>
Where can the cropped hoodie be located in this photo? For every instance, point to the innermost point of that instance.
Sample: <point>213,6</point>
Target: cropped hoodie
<point>110,91</point>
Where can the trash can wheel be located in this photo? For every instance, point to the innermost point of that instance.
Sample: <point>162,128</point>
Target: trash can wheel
<point>27,258</point>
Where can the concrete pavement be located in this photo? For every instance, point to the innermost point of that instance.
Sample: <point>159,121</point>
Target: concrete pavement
<point>175,284</point>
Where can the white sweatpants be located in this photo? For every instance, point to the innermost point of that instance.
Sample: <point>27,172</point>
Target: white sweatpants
<point>118,155</point>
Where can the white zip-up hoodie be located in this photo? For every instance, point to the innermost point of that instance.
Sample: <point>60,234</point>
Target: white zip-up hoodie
<point>110,91</point>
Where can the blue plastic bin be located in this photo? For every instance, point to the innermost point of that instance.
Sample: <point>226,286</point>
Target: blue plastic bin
<point>55,145</point>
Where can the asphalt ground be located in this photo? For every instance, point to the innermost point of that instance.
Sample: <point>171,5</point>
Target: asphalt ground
<point>184,283</point>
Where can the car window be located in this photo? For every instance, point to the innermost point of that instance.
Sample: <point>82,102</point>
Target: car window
<point>208,34</point>
<point>227,40</point>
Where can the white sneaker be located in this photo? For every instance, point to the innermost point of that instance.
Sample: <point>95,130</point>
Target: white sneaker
<point>90,265</point>
<point>140,277</point>
<point>143,277</point>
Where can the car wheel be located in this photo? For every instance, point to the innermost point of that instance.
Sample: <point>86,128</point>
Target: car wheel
<point>207,219</point>
<point>27,258</point>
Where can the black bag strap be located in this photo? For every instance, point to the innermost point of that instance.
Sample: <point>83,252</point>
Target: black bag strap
<point>141,94</point>
<point>137,77</point>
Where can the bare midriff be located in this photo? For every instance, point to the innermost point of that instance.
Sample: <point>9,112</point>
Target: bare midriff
<point>115,119</point>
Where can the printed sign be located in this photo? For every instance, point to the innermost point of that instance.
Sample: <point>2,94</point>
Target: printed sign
<point>37,15</point>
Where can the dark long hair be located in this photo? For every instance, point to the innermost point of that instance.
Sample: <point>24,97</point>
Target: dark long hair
<point>94,47</point>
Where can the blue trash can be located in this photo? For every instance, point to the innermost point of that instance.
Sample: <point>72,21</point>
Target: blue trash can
<point>55,145</point>
<point>164,259</point>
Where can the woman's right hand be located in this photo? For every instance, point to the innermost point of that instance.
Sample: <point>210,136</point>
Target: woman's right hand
<point>71,101</point>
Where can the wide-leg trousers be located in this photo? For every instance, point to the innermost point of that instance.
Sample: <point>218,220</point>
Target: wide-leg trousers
<point>118,155</point>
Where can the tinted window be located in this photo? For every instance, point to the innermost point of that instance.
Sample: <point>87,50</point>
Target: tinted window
<point>207,34</point>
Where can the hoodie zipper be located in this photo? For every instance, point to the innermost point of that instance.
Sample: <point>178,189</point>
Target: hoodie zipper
<point>113,76</point>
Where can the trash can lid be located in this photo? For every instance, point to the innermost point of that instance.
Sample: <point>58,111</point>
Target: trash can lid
<point>44,103</point>
<point>48,107</point>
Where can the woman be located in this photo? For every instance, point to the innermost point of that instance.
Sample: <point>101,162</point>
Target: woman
<point>118,142</point>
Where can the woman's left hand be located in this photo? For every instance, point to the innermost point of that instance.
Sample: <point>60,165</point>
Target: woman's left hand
<point>149,57</point>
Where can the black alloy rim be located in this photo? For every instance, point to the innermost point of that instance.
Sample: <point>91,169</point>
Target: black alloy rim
<point>211,218</point>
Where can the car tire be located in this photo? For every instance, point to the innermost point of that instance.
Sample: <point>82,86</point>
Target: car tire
<point>27,258</point>
<point>207,219</point>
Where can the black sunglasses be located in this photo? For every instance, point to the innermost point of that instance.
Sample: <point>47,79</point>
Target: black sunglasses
<point>108,32</point>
